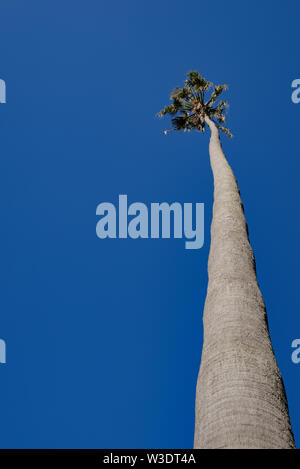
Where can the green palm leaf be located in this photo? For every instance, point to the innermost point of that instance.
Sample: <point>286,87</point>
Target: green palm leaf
<point>188,107</point>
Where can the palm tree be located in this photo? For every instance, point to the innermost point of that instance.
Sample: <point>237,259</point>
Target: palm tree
<point>240,395</point>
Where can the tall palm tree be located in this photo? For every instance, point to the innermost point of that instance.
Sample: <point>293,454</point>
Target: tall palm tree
<point>240,396</point>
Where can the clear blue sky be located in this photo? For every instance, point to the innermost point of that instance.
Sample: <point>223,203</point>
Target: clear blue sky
<point>104,337</point>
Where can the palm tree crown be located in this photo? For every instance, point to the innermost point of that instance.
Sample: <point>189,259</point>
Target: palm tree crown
<point>189,107</point>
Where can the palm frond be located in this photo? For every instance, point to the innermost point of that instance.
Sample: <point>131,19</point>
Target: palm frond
<point>180,123</point>
<point>215,94</point>
<point>188,107</point>
<point>172,109</point>
<point>225,130</point>
<point>196,81</point>
<point>181,94</point>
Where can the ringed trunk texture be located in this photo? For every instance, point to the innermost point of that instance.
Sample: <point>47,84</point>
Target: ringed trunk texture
<point>240,397</point>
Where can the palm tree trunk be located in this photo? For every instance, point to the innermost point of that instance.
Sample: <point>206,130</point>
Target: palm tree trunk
<point>240,398</point>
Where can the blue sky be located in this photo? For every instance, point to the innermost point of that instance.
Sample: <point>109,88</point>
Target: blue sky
<point>104,337</point>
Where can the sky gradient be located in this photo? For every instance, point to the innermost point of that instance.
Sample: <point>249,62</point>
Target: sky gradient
<point>104,337</point>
